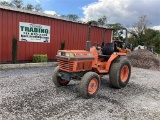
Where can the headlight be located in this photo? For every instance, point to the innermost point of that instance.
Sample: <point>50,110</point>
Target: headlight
<point>59,53</point>
<point>90,54</point>
<point>72,55</point>
<point>69,54</point>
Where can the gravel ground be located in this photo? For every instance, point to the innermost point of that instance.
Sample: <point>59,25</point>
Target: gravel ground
<point>29,94</point>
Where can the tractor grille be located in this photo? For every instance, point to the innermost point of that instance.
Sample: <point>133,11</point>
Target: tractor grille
<point>74,66</point>
<point>66,65</point>
<point>80,66</point>
<point>87,65</point>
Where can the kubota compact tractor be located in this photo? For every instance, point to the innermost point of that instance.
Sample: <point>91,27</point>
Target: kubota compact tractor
<point>90,65</point>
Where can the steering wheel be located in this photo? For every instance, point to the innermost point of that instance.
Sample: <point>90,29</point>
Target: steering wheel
<point>98,46</point>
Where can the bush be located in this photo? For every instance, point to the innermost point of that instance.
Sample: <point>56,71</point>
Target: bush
<point>14,49</point>
<point>62,45</point>
<point>40,58</point>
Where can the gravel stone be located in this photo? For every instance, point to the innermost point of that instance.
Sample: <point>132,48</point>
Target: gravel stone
<point>29,94</point>
<point>143,58</point>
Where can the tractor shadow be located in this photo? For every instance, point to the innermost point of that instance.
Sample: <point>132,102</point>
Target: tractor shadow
<point>105,89</point>
<point>130,90</point>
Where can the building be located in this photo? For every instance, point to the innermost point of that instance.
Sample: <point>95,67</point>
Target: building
<point>40,33</point>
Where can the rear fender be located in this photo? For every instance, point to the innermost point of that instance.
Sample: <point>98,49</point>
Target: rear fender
<point>112,58</point>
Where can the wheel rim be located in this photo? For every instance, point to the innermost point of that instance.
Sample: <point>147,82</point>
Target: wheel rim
<point>124,73</point>
<point>92,86</point>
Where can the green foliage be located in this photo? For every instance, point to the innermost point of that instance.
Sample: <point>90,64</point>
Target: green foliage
<point>139,28</point>
<point>150,38</point>
<point>72,17</point>
<point>62,45</point>
<point>29,7</point>
<point>117,34</point>
<point>63,16</point>
<point>14,50</point>
<point>141,35</point>
<point>40,58</point>
<point>5,3</point>
<point>133,41</point>
<point>102,21</point>
<point>93,23</point>
<point>19,4</point>
<point>154,40</point>
<point>116,25</point>
<point>38,8</point>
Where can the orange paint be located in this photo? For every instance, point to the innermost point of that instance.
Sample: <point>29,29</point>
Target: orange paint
<point>124,73</point>
<point>97,64</point>
<point>93,86</point>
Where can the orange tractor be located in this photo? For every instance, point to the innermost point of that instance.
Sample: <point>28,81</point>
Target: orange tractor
<point>90,65</point>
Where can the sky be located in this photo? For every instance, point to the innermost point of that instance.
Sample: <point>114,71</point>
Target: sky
<point>125,12</point>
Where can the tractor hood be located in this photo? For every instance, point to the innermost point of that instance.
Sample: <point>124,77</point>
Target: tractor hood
<point>74,54</point>
<point>74,51</point>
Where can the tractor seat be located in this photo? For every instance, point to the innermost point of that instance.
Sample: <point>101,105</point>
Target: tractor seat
<point>107,50</point>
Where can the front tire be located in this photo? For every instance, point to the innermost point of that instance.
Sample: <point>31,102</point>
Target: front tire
<point>89,85</point>
<point>58,81</point>
<point>120,72</point>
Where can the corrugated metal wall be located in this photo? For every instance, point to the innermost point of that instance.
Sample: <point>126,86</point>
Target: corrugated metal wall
<point>74,35</point>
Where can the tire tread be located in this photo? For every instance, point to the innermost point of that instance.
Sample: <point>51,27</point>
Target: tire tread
<point>84,84</point>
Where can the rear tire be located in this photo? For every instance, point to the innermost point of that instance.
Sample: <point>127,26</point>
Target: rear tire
<point>89,85</point>
<point>120,72</point>
<point>58,81</point>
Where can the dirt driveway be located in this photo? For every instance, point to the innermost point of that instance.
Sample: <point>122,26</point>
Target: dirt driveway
<point>29,94</point>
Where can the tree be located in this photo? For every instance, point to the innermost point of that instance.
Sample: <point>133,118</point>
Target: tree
<point>116,25</point>
<point>29,7</point>
<point>5,3</point>
<point>117,33</point>
<point>80,21</point>
<point>152,38</point>
<point>93,23</point>
<point>102,21</point>
<point>149,34</point>
<point>72,17</point>
<point>63,16</point>
<point>138,28</point>
<point>38,8</point>
<point>156,42</point>
<point>17,3</point>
